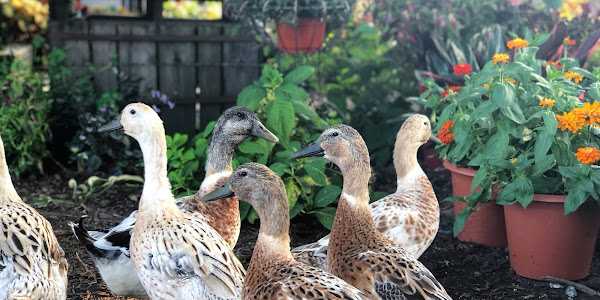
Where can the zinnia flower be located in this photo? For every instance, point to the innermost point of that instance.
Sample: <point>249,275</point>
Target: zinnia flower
<point>587,155</point>
<point>570,121</point>
<point>517,43</point>
<point>508,79</point>
<point>590,113</point>
<point>500,57</point>
<point>569,42</point>
<point>576,77</point>
<point>547,102</point>
<point>444,135</point>
<point>462,69</point>
<point>447,91</point>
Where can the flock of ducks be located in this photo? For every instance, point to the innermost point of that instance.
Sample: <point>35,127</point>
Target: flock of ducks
<point>183,248</point>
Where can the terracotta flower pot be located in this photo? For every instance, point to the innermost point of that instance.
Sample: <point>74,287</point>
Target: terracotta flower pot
<point>542,241</point>
<point>306,36</point>
<point>485,226</point>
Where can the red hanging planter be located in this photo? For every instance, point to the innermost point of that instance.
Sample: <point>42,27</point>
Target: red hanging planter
<point>307,35</point>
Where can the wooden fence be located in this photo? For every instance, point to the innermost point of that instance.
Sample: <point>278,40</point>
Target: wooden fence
<point>198,64</point>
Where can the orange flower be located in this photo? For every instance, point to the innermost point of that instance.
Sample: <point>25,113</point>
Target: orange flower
<point>590,113</point>
<point>508,79</point>
<point>547,102</point>
<point>555,64</point>
<point>569,42</point>
<point>587,155</point>
<point>445,136</point>
<point>500,57</point>
<point>462,69</point>
<point>517,43</point>
<point>576,77</point>
<point>485,85</point>
<point>570,121</point>
<point>447,91</point>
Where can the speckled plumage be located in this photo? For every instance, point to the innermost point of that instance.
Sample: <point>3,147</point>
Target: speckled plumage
<point>32,264</point>
<point>273,273</point>
<point>409,217</point>
<point>111,254</point>
<point>357,252</point>
<point>175,254</point>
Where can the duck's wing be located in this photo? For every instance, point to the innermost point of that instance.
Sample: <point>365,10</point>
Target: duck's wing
<point>313,254</point>
<point>397,274</point>
<point>196,250</point>
<point>105,244</point>
<point>300,281</point>
<point>26,235</point>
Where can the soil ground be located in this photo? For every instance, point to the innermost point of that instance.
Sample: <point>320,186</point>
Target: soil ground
<point>466,270</point>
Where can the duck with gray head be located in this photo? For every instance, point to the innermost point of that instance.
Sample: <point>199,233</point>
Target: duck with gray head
<point>32,263</point>
<point>358,253</point>
<point>273,273</point>
<point>110,250</point>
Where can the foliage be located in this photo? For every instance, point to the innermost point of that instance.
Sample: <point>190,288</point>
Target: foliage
<point>283,10</point>
<point>24,116</point>
<point>205,10</point>
<point>22,20</point>
<point>504,122</point>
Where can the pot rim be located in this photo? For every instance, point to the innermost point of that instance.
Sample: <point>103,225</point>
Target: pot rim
<point>460,170</point>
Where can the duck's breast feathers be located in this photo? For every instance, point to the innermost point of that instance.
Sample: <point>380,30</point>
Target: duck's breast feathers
<point>25,235</point>
<point>299,281</point>
<point>396,272</point>
<point>192,250</point>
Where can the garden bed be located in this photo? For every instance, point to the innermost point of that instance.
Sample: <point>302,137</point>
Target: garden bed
<point>467,270</point>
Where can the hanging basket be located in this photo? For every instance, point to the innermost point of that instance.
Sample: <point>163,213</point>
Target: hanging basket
<point>296,28</point>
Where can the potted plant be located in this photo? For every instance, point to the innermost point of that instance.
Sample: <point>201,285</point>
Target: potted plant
<point>300,24</point>
<point>528,131</point>
<point>21,21</point>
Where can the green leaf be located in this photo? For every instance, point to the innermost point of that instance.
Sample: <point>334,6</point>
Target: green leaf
<point>208,129</point>
<point>279,168</point>
<point>326,216</point>
<point>292,191</point>
<point>179,139</point>
<point>300,107</point>
<point>250,147</point>
<point>281,119</point>
<point>574,172</point>
<point>327,195</point>
<point>377,195</point>
<point>513,112</point>
<point>550,122</point>
<point>484,110</point>
<point>524,191</point>
<point>479,177</point>
<point>542,145</point>
<point>316,174</point>
<point>504,95</point>
<point>460,220</point>
<point>543,164</point>
<point>575,198</point>
<point>251,96</point>
<point>299,74</point>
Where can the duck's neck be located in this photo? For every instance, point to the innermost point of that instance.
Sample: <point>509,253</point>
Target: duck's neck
<point>7,190</point>
<point>405,161</point>
<point>156,182</point>
<point>353,213</point>
<point>273,237</point>
<point>220,154</point>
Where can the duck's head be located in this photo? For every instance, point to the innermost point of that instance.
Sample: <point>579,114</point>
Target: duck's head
<point>137,120</point>
<point>238,123</point>
<point>416,129</point>
<point>255,184</point>
<point>341,144</point>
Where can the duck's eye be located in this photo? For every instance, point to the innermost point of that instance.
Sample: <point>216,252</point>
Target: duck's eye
<point>243,173</point>
<point>334,134</point>
<point>425,123</point>
<point>132,112</point>
<point>241,115</point>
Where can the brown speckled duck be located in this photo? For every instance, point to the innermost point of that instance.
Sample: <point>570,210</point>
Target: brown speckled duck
<point>358,252</point>
<point>32,264</point>
<point>273,273</point>
<point>110,250</point>
<point>410,217</point>
<point>176,255</point>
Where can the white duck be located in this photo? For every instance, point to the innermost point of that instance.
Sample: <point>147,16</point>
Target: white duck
<point>32,264</point>
<point>110,250</point>
<point>410,217</point>
<point>175,254</point>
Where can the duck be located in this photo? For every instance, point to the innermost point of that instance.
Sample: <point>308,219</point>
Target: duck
<point>176,255</point>
<point>273,273</point>
<point>32,263</point>
<point>410,217</point>
<point>110,249</point>
<point>358,253</point>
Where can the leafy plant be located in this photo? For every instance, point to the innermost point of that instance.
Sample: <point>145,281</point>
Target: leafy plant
<point>24,116</point>
<point>22,20</point>
<point>289,10</point>
<point>505,123</point>
<point>95,186</point>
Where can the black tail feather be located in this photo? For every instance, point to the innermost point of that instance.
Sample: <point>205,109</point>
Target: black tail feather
<point>86,240</point>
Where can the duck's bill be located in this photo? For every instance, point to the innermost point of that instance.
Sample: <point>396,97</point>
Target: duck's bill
<point>260,131</point>
<point>312,150</point>
<point>220,193</point>
<point>435,139</point>
<point>112,126</point>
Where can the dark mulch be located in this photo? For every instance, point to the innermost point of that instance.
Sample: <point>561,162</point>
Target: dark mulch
<point>467,270</point>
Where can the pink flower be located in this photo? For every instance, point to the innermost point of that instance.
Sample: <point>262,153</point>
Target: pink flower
<point>514,2</point>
